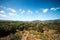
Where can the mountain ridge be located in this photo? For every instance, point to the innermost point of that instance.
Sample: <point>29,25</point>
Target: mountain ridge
<point>55,20</point>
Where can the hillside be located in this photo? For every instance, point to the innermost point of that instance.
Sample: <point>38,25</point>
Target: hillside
<point>33,30</point>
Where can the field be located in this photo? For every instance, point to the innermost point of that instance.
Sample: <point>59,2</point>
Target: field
<point>29,30</point>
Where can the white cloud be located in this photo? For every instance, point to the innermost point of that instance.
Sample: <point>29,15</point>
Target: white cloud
<point>2,11</point>
<point>3,15</point>
<point>22,11</point>
<point>12,14</point>
<point>54,9</point>
<point>12,10</point>
<point>45,10</point>
<point>29,12</point>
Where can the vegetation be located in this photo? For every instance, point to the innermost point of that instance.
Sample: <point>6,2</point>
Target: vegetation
<point>41,30</point>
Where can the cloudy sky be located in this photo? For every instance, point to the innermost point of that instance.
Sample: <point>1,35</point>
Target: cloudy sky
<point>28,10</point>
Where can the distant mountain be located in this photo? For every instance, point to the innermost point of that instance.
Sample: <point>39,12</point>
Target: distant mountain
<point>57,20</point>
<point>36,21</point>
<point>50,21</point>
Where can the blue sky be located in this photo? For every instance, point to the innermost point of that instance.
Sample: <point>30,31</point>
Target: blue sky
<point>28,10</point>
